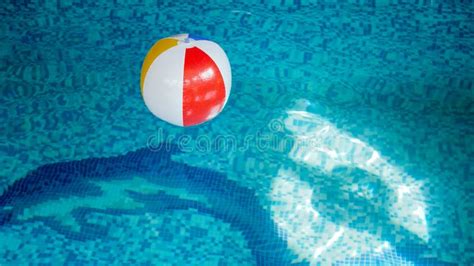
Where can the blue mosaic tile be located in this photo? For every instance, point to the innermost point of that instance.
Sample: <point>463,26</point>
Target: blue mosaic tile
<point>367,104</point>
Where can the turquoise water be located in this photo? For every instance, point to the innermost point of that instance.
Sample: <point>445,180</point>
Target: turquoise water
<point>348,135</point>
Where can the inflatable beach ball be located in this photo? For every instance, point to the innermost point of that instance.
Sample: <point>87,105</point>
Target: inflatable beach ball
<point>185,80</point>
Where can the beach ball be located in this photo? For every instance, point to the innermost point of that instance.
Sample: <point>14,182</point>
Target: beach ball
<point>185,80</point>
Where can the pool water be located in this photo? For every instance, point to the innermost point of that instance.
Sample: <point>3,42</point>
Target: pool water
<point>347,138</point>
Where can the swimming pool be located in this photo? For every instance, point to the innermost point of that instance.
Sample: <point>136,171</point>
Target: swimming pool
<point>347,138</point>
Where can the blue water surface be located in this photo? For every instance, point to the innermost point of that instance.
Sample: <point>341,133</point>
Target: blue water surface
<point>347,138</point>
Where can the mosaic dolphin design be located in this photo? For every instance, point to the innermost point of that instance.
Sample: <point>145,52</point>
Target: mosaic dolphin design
<point>225,199</point>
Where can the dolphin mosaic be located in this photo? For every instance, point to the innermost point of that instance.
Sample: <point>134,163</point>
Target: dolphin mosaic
<point>81,180</point>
